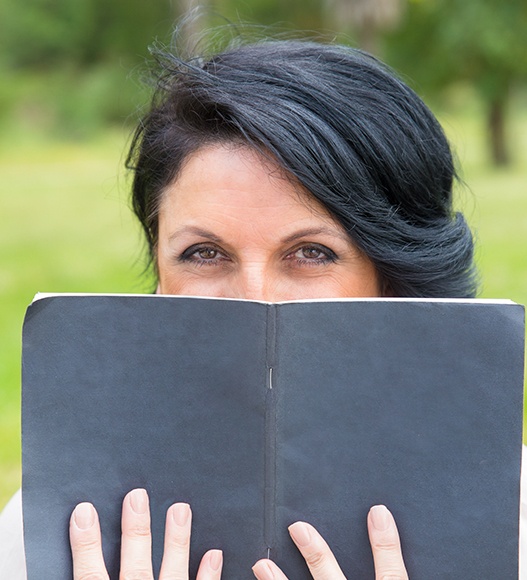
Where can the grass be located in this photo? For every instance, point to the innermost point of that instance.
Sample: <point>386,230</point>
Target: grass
<point>66,228</point>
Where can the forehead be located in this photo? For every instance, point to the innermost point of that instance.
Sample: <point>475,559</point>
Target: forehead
<point>237,178</point>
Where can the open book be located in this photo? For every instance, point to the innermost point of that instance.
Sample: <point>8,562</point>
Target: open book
<point>260,415</point>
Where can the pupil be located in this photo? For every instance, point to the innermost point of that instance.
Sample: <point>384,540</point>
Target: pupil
<point>207,254</point>
<point>311,253</point>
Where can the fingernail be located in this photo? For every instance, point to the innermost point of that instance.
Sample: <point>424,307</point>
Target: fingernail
<point>263,571</point>
<point>180,513</point>
<point>215,559</point>
<point>380,517</point>
<point>84,516</point>
<point>300,533</point>
<point>139,500</point>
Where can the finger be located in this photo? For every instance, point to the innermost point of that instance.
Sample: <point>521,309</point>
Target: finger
<point>317,554</point>
<point>136,544</point>
<point>210,566</point>
<point>177,543</point>
<point>385,544</point>
<point>268,570</point>
<point>86,547</point>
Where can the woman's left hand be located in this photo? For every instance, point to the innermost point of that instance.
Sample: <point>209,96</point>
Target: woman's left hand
<point>385,545</point>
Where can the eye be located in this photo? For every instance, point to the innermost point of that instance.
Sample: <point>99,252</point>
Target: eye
<point>206,253</point>
<point>203,255</point>
<point>312,255</point>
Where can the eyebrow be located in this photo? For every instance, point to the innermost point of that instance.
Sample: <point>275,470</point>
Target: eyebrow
<point>195,231</point>
<point>315,231</point>
<point>291,238</point>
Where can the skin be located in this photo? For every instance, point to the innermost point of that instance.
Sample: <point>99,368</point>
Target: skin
<point>231,225</point>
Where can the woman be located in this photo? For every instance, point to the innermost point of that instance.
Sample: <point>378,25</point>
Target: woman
<point>276,171</point>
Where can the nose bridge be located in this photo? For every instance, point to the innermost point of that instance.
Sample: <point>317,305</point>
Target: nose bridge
<point>254,282</point>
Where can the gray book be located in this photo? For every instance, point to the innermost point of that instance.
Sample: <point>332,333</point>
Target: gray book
<point>261,414</point>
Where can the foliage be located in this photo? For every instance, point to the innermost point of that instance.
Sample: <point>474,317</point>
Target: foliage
<point>481,42</point>
<point>296,15</point>
<point>443,41</point>
<point>65,65</point>
<point>69,102</point>
<point>49,33</point>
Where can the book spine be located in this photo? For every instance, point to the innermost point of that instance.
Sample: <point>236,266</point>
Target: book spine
<point>270,434</point>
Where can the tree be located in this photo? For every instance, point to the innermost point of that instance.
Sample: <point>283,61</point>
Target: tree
<point>297,15</point>
<point>49,33</point>
<point>442,42</point>
<point>368,19</point>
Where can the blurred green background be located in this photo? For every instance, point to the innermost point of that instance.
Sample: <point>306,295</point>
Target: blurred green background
<point>72,85</point>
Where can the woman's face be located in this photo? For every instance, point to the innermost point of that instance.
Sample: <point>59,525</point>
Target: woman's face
<point>232,226</point>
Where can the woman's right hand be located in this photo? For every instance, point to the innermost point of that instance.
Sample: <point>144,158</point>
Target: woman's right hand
<point>384,541</point>
<point>136,543</point>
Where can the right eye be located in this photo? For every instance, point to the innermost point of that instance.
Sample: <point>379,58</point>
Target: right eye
<point>203,255</point>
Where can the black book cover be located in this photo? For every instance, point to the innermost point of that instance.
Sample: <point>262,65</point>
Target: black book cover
<point>260,415</point>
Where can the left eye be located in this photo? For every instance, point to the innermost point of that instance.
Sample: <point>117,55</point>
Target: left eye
<point>312,254</point>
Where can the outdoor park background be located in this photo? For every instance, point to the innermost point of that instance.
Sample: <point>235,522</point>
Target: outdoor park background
<point>71,88</point>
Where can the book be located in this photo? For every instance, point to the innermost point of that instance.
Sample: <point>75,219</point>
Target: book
<point>260,415</point>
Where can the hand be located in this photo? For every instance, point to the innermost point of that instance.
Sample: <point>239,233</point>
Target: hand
<point>385,545</point>
<point>136,562</point>
<point>136,557</point>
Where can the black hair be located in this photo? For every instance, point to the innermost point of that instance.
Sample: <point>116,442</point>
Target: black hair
<point>338,122</point>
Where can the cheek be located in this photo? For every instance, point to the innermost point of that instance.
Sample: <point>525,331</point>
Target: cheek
<point>337,284</point>
<point>359,281</point>
<point>184,285</point>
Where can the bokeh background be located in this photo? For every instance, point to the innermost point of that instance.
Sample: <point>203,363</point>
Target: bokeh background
<point>74,80</point>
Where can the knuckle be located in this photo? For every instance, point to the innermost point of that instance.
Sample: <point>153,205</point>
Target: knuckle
<point>180,542</point>
<point>139,530</point>
<point>316,560</point>
<point>392,576</point>
<point>86,543</point>
<point>386,545</point>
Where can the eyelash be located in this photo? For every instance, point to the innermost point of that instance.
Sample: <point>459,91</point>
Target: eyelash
<point>328,255</point>
<point>191,255</point>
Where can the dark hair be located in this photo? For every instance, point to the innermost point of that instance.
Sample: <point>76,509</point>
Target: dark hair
<point>342,125</point>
